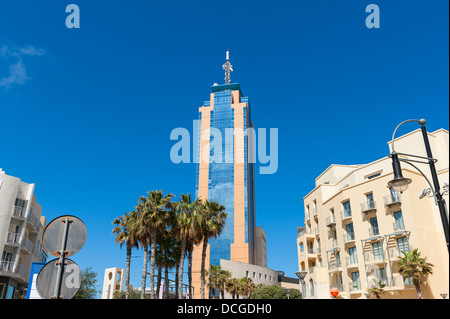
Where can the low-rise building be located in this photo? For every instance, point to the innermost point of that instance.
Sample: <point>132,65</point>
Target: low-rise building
<point>356,227</point>
<point>21,230</point>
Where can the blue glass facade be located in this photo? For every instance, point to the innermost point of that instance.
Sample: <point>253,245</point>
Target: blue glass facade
<point>221,181</point>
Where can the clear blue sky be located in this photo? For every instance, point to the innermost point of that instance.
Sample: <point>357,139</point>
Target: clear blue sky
<point>86,114</point>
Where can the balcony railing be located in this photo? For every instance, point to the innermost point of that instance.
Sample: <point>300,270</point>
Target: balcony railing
<point>13,238</point>
<point>370,256</point>
<point>368,206</point>
<point>374,231</point>
<point>354,286</point>
<point>392,200</point>
<point>399,225</point>
<point>329,221</point>
<point>6,265</point>
<point>351,261</point>
<point>34,221</point>
<point>19,211</point>
<point>346,214</point>
<point>349,237</point>
<point>334,264</point>
<point>395,252</point>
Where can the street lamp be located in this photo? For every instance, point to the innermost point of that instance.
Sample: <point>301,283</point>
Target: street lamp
<point>334,292</point>
<point>400,183</point>
<point>367,295</point>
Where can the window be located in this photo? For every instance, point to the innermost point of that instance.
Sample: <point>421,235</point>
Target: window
<point>377,249</point>
<point>355,281</point>
<point>350,232</point>
<point>374,226</point>
<point>353,257</point>
<point>381,275</point>
<point>402,245</point>
<point>369,201</point>
<point>394,195</point>
<point>374,175</point>
<point>347,209</point>
<point>398,224</point>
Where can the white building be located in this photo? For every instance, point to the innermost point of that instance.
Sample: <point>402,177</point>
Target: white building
<point>21,229</point>
<point>112,282</point>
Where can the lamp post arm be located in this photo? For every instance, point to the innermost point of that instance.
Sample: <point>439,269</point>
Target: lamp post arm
<point>393,135</point>
<point>429,183</point>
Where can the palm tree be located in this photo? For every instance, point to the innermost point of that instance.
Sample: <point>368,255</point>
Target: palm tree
<point>246,287</point>
<point>213,274</point>
<point>125,230</point>
<point>157,214</point>
<point>185,231</point>
<point>232,287</point>
<point>211,220</point>
<point>411,265</point>
<point>377,288</point>
<point>223,277</point>
<point>143,237</point>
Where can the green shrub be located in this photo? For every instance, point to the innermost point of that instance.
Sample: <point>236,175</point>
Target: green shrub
<point>269,292</point>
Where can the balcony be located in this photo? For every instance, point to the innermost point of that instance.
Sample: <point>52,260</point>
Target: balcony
<point>19,212</point>
<point>351,262</point>
<point>346,215</point>
<point>303,231</point>
<point>374,258</point>
<point>21,272</point>
<point>391,200</point>
<point>13,238</point>
<point>349,238</point>
<point>368,207</point>
<point>332,265</point>
<point>6,266</point>
<point>374,231</point>
<point>330,222</point>
<point>34,222</point>
<point>354,287</point>
<point>395,253</point>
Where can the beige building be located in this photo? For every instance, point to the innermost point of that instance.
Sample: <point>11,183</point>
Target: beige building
<point>21,229</point>
<point>112,282</point>
<point>356,226</point>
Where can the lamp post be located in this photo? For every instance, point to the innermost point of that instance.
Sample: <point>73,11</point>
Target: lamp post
<point>400,183</point>
<point>301,275</point>
<point>334,292</point>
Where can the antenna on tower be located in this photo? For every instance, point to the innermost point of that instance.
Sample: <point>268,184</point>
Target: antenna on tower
<point>228,68</point>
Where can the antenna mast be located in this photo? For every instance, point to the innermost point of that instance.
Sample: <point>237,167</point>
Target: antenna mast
<point>228,68</point>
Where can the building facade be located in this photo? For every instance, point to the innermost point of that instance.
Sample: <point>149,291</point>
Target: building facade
<point>21,229</point>
<point>356,227</point>
<point>226,175</point>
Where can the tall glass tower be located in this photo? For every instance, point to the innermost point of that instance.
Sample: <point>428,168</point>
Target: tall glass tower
<point>225,174</point>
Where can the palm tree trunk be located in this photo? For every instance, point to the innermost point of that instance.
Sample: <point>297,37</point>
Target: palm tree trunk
<point>158,285</point>
<point>180,273</point>
<point>152,264</point>
<point>127,283</point>
<point>166,282</point>
<point>177,272</point>
<point>190,271</point>
<point>144,271</point>
<point>202,271</point>
<point>419,292</point>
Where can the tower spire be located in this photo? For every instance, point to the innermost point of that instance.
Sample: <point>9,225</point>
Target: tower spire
<point>228,68</point>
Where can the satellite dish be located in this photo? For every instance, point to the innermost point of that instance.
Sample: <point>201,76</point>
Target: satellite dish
<point>215,84</point>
